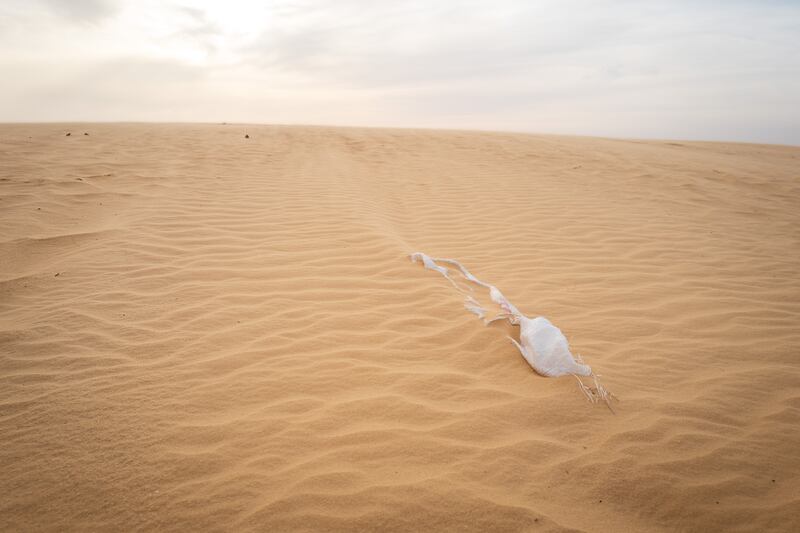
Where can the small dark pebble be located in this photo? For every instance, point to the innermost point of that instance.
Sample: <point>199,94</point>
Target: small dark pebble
<point>773,481</point>
<point>601,501</point>
<point>39,209</point>
<point>246,136</point>
<point>717,503</point>
<point>67,135</point>
<point>535,519</point>
<point>79,179</point>
<point>57,274</point>
<point>85,133</point>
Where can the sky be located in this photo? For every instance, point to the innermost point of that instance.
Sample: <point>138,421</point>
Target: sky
<point>702,69</point>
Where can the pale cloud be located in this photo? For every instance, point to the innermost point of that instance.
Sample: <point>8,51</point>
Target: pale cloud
<point>702,69</point>
<point>81,10</point>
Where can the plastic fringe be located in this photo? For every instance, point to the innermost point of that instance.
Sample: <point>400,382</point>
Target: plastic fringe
<point>595,394</point>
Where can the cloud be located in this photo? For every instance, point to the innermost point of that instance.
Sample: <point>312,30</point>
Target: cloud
<point>422,45</point>
<point>82,10</point>
<point>121,89</point>
<point>197,27</point>
<point>666,69</point>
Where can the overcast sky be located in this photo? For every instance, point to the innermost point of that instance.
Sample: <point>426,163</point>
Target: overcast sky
<point>727,70</point>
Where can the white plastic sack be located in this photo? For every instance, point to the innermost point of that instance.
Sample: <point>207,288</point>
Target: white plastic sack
<point>541,343</point>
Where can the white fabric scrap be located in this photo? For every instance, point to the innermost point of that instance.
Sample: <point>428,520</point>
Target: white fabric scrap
<point>542,345</point>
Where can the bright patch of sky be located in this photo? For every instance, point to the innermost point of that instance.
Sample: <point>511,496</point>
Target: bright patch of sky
<point>669,69</point>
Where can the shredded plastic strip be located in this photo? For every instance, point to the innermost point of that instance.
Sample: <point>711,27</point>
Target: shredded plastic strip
<point>542,345</point>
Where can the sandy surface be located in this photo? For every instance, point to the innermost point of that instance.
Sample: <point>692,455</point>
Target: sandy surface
<point>199,330</point>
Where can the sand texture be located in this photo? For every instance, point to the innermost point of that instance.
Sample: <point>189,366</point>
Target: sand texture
<point>200,331</point>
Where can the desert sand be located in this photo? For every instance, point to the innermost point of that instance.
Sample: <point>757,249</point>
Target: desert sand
<point>202,331</point>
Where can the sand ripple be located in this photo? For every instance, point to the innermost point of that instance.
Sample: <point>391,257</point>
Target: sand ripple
<point>199,331</point>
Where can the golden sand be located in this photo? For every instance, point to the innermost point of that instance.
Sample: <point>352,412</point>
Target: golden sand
<point>203,331</point>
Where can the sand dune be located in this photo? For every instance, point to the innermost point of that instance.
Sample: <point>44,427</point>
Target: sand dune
<point>203,331</point>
